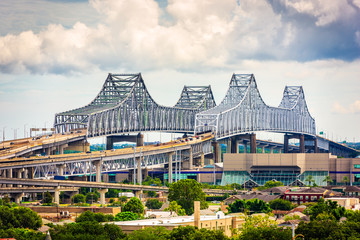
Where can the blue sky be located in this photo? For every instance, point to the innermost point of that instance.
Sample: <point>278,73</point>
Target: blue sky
<point>56,54</point>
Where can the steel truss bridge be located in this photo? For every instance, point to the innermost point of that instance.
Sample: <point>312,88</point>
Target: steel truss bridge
<point>244,111</point>
<point>124,105</point>
<point>107,161</point>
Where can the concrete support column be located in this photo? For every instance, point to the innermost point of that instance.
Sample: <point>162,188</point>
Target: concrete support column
<point>61,169</point>
<point>170,167</point>
<point>102,195</point>
<point>228,146</point>
<point>245,148</point>
<point>18,197</point>
<point>234,146</point>
<point>272,150</point>
<point>140,140</point>
<point>109,143</point>
<point>191,159</point>
<point>302,143</point>
<point>57,195</point>
<point>237,146</point>
<point>316,150</point>
<point>19,174</point>
<point>61,149</point>
<point>263,150</point>
<point>202,159</point>
<point>9,175</point>
<point>47,151</point>
<point>286,143</point>
<point>138,164</point>
<point>253,143</point>
<point>98,170</point>
<point>138,193</point>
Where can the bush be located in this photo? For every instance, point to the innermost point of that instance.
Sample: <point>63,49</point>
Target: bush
<point>78,198</point>
<point>48,198</point>
<point>153,204</point>
<point>126,216</point>
<point>97,217</point>
<point>253,205</point>
<point>19,217</point>
<point>134,205</point>
<point>92,197</point>
<point>281,204</point>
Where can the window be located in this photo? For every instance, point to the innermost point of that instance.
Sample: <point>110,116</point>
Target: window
<point>301,197</point>
<point>357,166</point>
<point>287,197</point>
<point>307,197</point>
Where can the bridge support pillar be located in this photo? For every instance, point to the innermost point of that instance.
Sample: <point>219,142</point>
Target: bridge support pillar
<point>316,149</point>
<point>263,150</point>
<point>272,149</point>
<point>253,143</point>
<point>102,195</point>
<point>61,149</point>
<point>140,140</point>
<point>19,174</point>
<point>138,193</point>
<point>228,146</point>
<point>191,159</point>
<point>47,151</point>
<point>139,173</point>
<point>245,147</point>
<point>98,170</point>
<point>61,169</point>
<point>109,143</point>
<point>9,174</point>
<point>234,145</point>
<point>202,159</point>
<point>286,143</point>
<point>302,143</point>
<point>18,197</point>
<point>57,195</point>
<point>217,152</point>
<point>170,167</point>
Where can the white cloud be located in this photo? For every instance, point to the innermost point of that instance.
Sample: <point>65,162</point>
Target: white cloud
<point>324,11</point>
<point>353,108</point>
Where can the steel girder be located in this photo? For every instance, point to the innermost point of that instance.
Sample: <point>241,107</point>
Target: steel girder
<point>124,105</point>
<point>243,110</point>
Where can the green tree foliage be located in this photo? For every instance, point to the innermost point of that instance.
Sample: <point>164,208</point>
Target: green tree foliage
<point>134,205</point>
<point>187,232</point>
<point>78,198</point>
<point>309,179</point>
<point>151,193</point>
<point>153,204</point>
<point>48,198</point>
<point>253,206</point>
<point>126,216</point>
<point>92,197</point>
<point>328,207</point>
<point>281,204</point>
<point>112,193</point>
<point>174,207</point>
<point>259,227</point>
<point>86,231</point>
<point>19,217</point>
<point>22,234</point>
<point>97,217</point>
<point>345,180</point>
<point>149,181</point>
<point>185,192</point>
<point>328,180</point>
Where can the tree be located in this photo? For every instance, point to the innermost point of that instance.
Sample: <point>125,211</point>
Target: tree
<point>78,198</point>
<point>328,180</point>
<point>152,181</point>
<point>126,216</point>
<point>328,207</point>
<point>281,204</point>
<point>174,207</point>
<point>259,227</point>
<point>19,217</point>
<point>190,232</point>
<point>153,204</point>
<point>48,198</point>
<point>185,192</point>
<point>86,230</point>
<point>97,217</point>
<point>345,180</point>
<point>92,197</point>
<point>253,205</point>
<point>309,179</point>
<point>134,205</point>
<point>157,233</point>
<point>271,184</point>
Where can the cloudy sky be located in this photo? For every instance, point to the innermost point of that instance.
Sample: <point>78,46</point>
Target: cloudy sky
<point>55,54</point>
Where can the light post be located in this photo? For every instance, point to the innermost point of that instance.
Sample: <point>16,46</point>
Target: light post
<point>134,166</point>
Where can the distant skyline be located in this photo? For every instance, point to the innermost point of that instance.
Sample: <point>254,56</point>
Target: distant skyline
<point>56,54</point>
